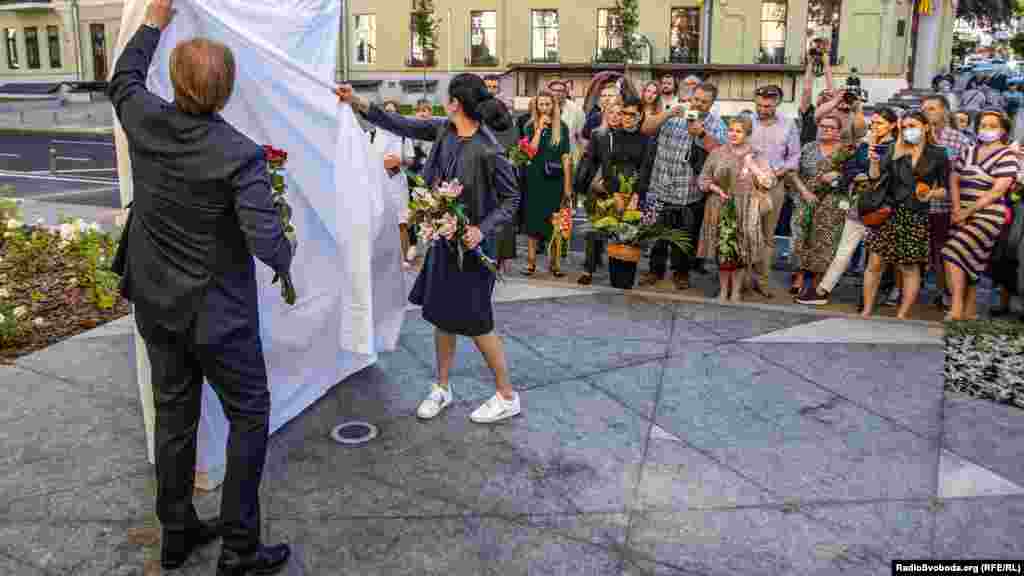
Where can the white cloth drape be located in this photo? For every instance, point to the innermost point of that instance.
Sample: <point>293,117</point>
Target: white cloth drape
<point>347,271</point>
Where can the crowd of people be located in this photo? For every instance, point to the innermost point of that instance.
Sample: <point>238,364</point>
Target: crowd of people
<point>938,177</point>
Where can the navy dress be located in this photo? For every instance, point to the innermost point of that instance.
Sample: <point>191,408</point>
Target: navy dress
<point>457,301</point>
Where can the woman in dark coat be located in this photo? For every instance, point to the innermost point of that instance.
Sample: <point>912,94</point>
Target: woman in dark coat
<point>458,301</point>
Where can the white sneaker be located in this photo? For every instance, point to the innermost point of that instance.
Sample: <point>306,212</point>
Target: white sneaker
<point>495,410</point>
<point>438,400</point>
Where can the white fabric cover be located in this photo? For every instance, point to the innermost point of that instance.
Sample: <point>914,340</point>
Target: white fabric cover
<point>347,271</point>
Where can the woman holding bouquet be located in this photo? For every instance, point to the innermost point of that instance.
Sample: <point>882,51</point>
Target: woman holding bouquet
<point>457,299</point>
<point>824,203</point>
<point>737,183</point>
<point>548,178</point>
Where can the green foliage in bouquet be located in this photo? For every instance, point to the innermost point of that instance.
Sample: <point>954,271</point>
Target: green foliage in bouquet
<point>728,233</point>
<point>629,227</point>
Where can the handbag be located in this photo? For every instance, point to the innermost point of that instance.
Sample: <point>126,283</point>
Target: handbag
<point>552,169</point>
<point>872,206</point>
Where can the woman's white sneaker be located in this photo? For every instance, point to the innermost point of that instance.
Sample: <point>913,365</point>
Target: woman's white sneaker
<point>438,400</point>
<point>496,409</point>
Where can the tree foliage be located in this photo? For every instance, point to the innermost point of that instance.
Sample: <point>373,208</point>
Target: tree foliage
<point>987,11</point>
<point>628,24</point>
<point>425,29</point>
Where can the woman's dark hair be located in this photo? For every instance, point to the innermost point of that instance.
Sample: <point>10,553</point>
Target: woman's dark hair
<point>890,116</point>
<point>478,103</point>
<point>632,100</point>
<point>1004,122</point>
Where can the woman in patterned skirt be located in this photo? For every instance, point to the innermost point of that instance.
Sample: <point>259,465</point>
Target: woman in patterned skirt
<point>918,171</point>
<point>734,171</point>
<point>983,176</point>
<point>819,187</point>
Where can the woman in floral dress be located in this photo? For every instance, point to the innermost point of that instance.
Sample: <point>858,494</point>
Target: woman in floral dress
<point>820,187</point>
<point>733,172</point>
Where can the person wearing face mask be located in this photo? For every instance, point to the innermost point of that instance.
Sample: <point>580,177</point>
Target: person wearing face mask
<point>979,186</point>
<point>734,171</point>
<point>917,170</point>
<point>880,138</point>
<point>622,149</point>
<point>548,178</point>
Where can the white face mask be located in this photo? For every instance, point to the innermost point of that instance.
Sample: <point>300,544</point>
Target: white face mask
<point>912,135</point>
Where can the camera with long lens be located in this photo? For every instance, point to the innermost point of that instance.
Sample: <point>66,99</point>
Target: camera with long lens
<point>852,92</point>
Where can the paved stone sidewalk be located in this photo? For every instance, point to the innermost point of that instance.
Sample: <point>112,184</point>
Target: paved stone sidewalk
<point>658,438</point>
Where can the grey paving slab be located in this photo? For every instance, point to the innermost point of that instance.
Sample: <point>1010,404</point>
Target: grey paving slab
<point>573,450</point>
<point>989,434</point>
<point>601,314</point>
<point>29,393</point>
<point>982,528</point>
<point>856,539</point>
<point>81,441</point>
<point>730,323</point>
<point>9,565</point>
<point>900,382</point>
<point>791,437</point>
<point>584,356</point>
<point>102,366</point>
<point>443,546</point>
<point>527,367</point>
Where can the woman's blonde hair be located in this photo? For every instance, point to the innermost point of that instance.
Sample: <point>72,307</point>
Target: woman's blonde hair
<point>556,115</point>
<point>744,122</point>
<point>658,104</point>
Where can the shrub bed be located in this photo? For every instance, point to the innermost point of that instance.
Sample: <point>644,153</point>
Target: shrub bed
<point>985,359</point>
<point>55,282</point>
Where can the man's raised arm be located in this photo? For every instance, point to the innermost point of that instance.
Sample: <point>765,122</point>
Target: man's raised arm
<point>127,90</point>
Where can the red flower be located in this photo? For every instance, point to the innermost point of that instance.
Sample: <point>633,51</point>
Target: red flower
<point>275,155</point>
<point>526,147</point>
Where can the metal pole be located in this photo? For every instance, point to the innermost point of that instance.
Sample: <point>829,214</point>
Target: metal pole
<point>344,40</point>
<point>76,18</point>
<point>53,160</point>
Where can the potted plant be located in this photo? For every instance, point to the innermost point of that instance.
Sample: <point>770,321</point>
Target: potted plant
<point>627,228</point>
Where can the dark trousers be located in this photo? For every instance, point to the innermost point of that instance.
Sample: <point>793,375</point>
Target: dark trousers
<point>688,218</point>
<point>595,242</point>
<point>236,371</point>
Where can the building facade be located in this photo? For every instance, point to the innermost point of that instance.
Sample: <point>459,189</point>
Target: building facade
<point>739,44</point>
<point>56,41</point>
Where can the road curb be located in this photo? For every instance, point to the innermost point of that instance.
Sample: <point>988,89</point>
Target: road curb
<point>90,131</point>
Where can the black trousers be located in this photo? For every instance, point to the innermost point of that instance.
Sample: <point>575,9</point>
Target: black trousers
<point>235,368</point>
<point>688,218</point>
<point>595,242</point>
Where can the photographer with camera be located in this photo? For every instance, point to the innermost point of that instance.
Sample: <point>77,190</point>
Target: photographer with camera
<point>848,103</point>
<point>817,60</point>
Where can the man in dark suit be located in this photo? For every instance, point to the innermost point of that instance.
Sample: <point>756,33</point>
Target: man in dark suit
<point>202,209</point>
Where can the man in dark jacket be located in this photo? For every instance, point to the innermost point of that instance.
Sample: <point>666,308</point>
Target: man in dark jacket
<point>611,152</point>
<point>202,208</point>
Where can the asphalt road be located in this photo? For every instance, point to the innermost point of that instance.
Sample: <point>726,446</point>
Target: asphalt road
<point>86,168</point>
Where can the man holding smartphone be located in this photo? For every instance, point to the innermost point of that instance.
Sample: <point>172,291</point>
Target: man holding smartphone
<point>683,141</point>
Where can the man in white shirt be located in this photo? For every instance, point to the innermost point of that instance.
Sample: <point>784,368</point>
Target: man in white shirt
<point>572,114</point>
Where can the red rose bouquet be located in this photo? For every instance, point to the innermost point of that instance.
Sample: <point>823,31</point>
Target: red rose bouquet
<point>522,153</point>
<point>276,159</point>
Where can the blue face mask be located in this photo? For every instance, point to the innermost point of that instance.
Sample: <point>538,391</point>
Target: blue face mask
<point>912,135</point>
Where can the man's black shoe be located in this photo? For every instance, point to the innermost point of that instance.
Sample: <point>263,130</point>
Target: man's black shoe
<point>175,550</point>
<point>266,560</point>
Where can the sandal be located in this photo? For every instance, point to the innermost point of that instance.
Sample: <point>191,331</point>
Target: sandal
<point>585,280</point>
<point>557,273</point>
<point>530,270</point>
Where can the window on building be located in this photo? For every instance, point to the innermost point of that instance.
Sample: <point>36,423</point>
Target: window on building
<point>684,35</point>
<point>421,53</point>
<point>11,37</point>
<point>483,38</point>
<point>32,47</point>
<point>544,35</point>
<point>823,22</point>
<point>53,39</point>
<point>773,32</point>
<point>609,35</point>
<point>365,38</point>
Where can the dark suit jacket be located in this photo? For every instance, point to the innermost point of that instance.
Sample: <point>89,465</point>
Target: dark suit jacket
<point>611,152</point>
<point>201,209</point>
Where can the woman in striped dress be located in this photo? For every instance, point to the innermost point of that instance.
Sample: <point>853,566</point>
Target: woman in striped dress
<point>983,177</point>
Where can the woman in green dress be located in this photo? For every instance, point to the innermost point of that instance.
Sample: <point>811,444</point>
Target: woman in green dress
<point>548,177</point>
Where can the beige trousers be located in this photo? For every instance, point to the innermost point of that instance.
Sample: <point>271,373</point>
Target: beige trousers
<point>769,221</point>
